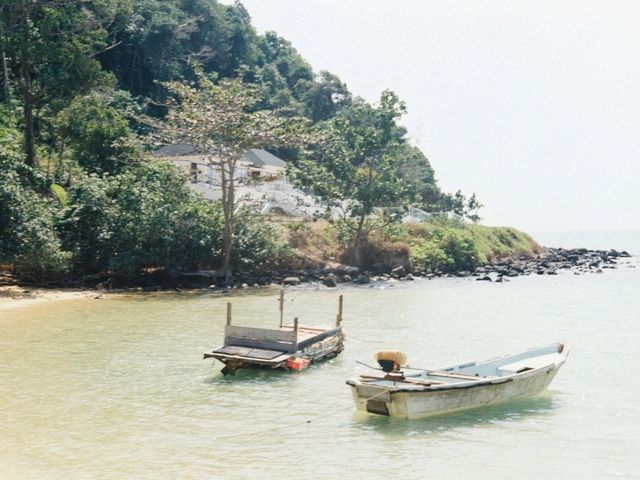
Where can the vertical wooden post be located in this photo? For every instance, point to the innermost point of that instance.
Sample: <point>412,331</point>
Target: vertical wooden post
<point>295,329</point>
<point>339,316</point>
<point>281,306</point>
<point>228,313</point>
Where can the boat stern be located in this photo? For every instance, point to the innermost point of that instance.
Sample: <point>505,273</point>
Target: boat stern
<point>377,399</point>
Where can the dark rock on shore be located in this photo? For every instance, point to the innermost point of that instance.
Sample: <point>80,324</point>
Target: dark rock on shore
<point>398,272</point>
<point>551,261</point>
<point>554,260</point>
<point>330,281</point>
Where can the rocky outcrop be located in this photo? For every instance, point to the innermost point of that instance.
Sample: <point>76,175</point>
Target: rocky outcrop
<point>550,262</point>
<point>553,260</point>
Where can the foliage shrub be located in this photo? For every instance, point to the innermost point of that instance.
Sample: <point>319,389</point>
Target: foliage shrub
<point>449,245</point>
<point>258,245</point>
<point>313,244</point>
<point>28,239</point>
<point>97,133</point>
<point>499,242</point>
<point>145,217</point>
<point>148,218</point>
<point>447,250</point>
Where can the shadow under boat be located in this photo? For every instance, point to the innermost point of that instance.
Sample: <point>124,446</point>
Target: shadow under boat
<point>513,411</point>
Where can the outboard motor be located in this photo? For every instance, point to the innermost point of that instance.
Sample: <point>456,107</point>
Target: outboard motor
<point>390,360</point>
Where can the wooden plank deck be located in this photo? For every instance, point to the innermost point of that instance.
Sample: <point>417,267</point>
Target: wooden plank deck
<point>273,347</point>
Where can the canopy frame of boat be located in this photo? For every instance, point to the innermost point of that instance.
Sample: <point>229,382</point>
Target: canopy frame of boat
<point>425,392</point>
<point>290,346</point>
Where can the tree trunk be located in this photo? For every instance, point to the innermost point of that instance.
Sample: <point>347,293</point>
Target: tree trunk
<point>359,243</point>
<point>228,203</point>
<point>29,128</point>
<point>360,232</point>
<point>6,93</point>
<point>27,94</point>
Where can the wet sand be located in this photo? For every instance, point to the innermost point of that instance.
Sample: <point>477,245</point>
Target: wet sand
<point>13,296</point>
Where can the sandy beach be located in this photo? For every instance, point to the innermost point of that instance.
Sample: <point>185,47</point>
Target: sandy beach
<point>13,296</point>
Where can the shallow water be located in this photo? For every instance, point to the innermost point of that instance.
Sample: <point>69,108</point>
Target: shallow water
<point>117,388</point>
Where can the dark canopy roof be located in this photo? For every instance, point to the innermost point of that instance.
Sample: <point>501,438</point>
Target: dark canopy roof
<point>255,156</point>
<point>258,156</point>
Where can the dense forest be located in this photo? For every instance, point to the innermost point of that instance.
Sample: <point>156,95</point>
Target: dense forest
<point>79,194</point>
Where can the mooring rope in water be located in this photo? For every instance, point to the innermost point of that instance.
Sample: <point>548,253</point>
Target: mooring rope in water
<point>297,424</point>
<point>350,336</point>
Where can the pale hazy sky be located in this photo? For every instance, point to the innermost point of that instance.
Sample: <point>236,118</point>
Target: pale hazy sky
<point>533,105</point>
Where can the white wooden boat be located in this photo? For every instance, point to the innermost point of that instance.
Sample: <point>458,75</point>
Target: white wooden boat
<point>415,394</point>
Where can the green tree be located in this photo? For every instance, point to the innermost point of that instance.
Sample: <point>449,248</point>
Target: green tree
<point>447,249</point>
<point>459,204</point>
<point>28,240</point>
<point>4,63</point>
<point>356,167</point>
<point>283,56</point>
<point>146,217</point>
<point>324,97</point>
<point>50,48</point>
<point>417,171</point>
<point>221,121</point>
<point>162,36</point>
<point>152,47</point>
<point>97,133</point>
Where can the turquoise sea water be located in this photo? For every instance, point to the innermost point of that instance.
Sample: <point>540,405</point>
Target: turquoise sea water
<point>117,388</point>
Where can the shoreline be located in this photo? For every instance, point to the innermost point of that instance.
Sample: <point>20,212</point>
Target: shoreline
<point>578,261</point>
<point>15,296</point>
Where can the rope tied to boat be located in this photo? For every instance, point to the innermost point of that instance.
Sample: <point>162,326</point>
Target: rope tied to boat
<point>298,424</point>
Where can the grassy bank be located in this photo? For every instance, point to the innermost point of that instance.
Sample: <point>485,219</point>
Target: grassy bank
<point>440,246</point>
<point>453,246</point>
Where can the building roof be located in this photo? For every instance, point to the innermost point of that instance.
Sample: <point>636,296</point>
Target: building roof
<point>255,156</point>
<point>260,157</point>
<point>176,150</point>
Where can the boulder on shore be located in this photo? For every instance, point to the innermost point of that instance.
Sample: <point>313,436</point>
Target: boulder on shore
<point>329,281</point>
<point>399,271</point>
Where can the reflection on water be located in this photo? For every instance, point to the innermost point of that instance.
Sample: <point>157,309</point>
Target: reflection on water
<point>518,410</point>
<point>254,376</point>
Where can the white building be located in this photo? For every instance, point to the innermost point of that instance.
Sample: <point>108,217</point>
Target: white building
<point>266,187</point>
<point>255,163</point>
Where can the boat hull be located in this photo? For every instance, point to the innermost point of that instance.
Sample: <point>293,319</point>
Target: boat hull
<point>412,403</point>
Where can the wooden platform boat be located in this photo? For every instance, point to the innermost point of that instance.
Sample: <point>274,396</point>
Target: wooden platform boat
<point>290,347</point>
<point>428,392</point>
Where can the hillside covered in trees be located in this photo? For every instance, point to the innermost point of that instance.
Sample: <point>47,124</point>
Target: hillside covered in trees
<point>86,88</point>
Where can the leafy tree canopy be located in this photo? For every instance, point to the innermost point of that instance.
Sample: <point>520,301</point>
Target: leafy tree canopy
<point>356,166</point>
<point>97,133</point>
